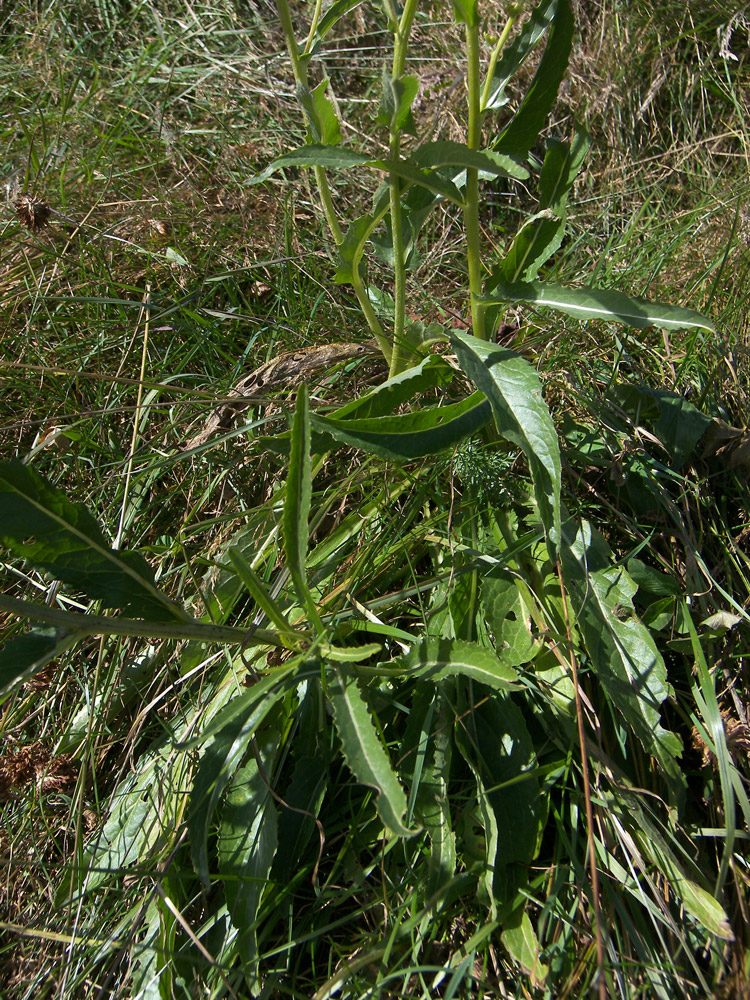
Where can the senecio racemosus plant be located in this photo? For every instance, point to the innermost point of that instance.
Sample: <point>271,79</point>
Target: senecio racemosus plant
<point>490,681</point>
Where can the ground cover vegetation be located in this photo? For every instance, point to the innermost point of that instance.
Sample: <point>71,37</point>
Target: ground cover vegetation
<point>374,500</point>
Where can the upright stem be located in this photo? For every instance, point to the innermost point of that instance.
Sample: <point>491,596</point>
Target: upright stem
<point>471,211</point>
<point>400,352</point>
<point>299,68</point>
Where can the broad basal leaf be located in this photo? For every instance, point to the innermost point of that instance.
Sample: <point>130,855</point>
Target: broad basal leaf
<point>521,415</point>
<point>38,523</point>
<point>220,760</point>
<point>599,303</point>
<point>363,751</point>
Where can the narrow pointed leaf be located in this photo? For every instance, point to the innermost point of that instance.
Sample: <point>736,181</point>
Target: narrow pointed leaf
<point>521,134</point>
<point>409,435</point>
<point>562,163</point>
<point>320,113</point>
<point>521,415</point>
<point>297,504</point>
<point>622,653</point>
<point>446,153</point>
<point>338,158</point>
<point>38,523</point>
<point>599,303</point>
<point>516,52</point>
<point>439,658</point>
<point>363,751</point>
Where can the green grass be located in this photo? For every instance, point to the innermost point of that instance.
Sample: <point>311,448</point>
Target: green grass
<point>161,267</point>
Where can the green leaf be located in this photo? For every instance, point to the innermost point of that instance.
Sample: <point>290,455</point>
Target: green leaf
<point>334,14</point>
<point>521,134</point>
<point>219,762</point>
<point>446,153</point>
<point>562,163</point>
<point>432,372</point>
<point>396,101</point>
<point>297,505</point>
<point>536,241</point>
<point>21,658</point>
<point>521,415</point>
<point>320,113</point>
<point>541,236</point>
<point>351,248</point>
<point>622,653</point>
<point>599,303</point>
<point>509,619</point>
<point>523,946</point>
<point>675,421</point>
<point>246,846</point>
<point>436,658</point>
<point>467,12</point>
<point>363,751</point>
<point>38,523</point>
<point>515,52</point>
<point>342,158</point>
<point>409,435</point>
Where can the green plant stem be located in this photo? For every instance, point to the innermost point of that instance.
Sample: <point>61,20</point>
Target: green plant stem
<point>299,69</point>
<point>471,210</point>
<point>399,357</point>
<point>104,625</point>
<point>512,18</point>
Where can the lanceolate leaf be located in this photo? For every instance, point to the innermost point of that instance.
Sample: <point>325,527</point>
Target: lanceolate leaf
<point>431,372</point>
<point>560,168</point>
<point>220,760</point>
<point>522,132</point>
<point>338,158</point>
<point>599,303</point>
<point>363,751</point>
<point>322,119</point>
<point>622,653</point>
<point>516,52</point>
<point>409,435</point>
<point>246,847</point>
<point>396,102</point>
<point>439,658</point>
<point>521,415</point>
<point>445,153</point>
<point>39,523</point>
<point>534,244</point>
<point>297,504</point>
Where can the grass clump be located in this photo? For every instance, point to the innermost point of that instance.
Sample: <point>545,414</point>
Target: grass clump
<point>419,682</point>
